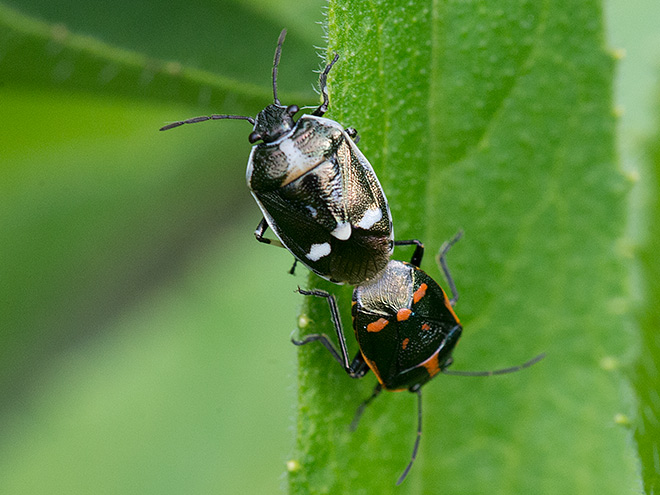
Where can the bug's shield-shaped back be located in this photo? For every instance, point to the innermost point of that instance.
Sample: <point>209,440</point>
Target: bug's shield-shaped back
<point>405,326</point>
<point>322,199</point>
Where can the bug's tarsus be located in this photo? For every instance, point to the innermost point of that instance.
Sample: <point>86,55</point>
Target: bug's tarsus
<point>204,118</point>
<point>502,371</point>
<point>442,263</point>
<point>323,82</point>
<point>353,134</point>
<point>418,391</point>
<point>276,63</point>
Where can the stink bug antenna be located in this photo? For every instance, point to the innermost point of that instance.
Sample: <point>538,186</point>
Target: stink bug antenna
<point>204,118</point>
<point>502,371</point>
<point>195,120</point>
<point>418,391</point>
<point>276,62</point>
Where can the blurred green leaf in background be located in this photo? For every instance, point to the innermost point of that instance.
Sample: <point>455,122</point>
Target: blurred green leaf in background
<point>144,334</point>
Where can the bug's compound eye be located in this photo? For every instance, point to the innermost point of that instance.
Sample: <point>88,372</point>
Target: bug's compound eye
<point>292,110</point>
<point>254,137</point>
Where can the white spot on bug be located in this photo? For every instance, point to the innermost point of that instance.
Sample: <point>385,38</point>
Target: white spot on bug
<point>371,216</point>
<point>295,158</point>
<point>312,211</point>
<point>342,231</point>
<point>318,251</point>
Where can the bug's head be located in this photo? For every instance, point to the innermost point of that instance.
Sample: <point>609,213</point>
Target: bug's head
<point>273,122</point>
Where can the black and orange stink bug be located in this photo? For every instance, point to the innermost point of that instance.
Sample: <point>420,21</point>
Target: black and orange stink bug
<point>406,328</point>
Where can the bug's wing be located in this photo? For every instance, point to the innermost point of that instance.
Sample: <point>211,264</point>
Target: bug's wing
<point>364,198</point>
<point>405,326</point>
<point>432,331</point>
<point>322,199</point>
<point>332,219</point>
<point>406,353</point>
<point>299,230</point>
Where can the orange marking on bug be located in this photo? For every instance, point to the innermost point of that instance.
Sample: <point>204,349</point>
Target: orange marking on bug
<point>404,344</point>
<point>432,365</point>
<point>449,307</point>
<point>403,314</point>
<point>378,325</point>
<point>419,293</point>
<point>373,367</point>
<point>426,327</point>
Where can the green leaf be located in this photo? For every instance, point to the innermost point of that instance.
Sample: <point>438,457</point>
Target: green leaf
<point>647,381</point>
<point>636,38</point>
<point>497,120</point>
<point>108,356</point>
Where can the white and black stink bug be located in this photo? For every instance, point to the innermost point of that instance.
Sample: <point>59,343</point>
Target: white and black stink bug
<point>317,191</point>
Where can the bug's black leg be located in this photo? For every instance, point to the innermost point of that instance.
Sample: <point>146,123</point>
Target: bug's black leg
<point>336,320</point>
<point>357,367</point>
<point>259,234</point>
<point>442,263</point>
<point>292,271</point>
<point>324,88</point>
<point>353,134</point>
<point>418,391</point>
<point>362,407</point>
<point>419,250</point>
<point>320,337</point>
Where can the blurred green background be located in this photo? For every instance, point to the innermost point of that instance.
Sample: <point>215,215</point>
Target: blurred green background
<point>143,332</point>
